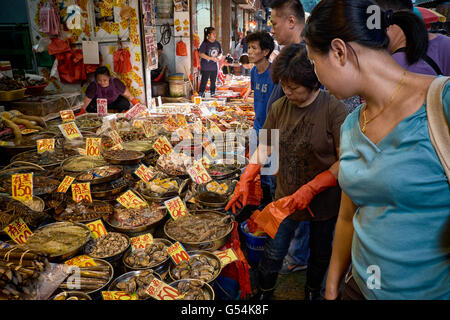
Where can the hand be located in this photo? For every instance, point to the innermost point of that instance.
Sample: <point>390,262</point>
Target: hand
<point>246,187</point>
<point>331,293</point>
<point>246,94</point>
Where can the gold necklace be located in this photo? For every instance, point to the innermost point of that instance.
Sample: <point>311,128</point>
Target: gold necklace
<point>365,121</point>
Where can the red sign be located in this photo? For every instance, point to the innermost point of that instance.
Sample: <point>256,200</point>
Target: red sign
<point>102,107</point>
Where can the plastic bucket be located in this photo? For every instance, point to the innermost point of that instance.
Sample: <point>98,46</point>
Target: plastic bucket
<point>176,88</point>
<point>255,245</point>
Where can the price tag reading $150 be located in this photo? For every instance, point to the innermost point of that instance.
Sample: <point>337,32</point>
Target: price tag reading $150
<point>22,186</point>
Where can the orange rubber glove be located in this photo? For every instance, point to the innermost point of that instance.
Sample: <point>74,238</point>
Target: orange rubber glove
<point>158,78</point>
<point>134,101</point>
<point>270,218</point>
<point>82,111</point>
<point>247,186</point>
<point>301,199</point>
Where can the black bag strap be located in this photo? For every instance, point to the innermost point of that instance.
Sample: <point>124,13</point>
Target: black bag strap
<point>428,60</point>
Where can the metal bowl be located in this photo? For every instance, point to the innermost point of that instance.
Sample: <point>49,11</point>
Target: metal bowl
<point>206,287</point>
<point>106,179</point>
<point>210,199</point>
<point>67,294</point>
<point>199,253</point>
<point>112,258</point>
<point>106,209</point>
<point>126,276</point>
<point>156,267</point>
<point>211,245</point>
<point>24,156</point>
<point>129,161</point>
<point>101,162</point>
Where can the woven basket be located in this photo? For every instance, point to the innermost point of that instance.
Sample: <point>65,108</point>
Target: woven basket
<point>12,94</point>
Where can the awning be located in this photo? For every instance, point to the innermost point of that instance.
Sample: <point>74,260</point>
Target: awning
<point>430,16</point>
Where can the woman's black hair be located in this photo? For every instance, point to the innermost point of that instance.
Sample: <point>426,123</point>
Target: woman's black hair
<point>208,31</point>
<point>293,65</point>
<point>102,70</point>
<point>264,39</point>
<point>352,20</point>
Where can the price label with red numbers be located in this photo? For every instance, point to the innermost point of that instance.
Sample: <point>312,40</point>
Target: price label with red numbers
<point>181,119</point>
<point>97,228</point>
<point>81,261</point>
<point>102,107</point>
<point>147,126</point>
<point>176,207</point>
<point>170,124</point>
<point>115,137</point>
<point>44,145</point>
<point>67,115</point>
<point>118,295</point>
<point>162,291</point>
<point>65,184</point>
<point>198,173</point>
<point>131,201</point>
<point>210,148</point>
<point>142,241</point>
<point>205,162</point>
<point>162,146</point>
<point>144,173</point>
<point>117,147</point>
<point>177,253</point>
<point>22,186</point>
<point>28,131</point>
<point>135,111</point>
<point>70,130</point>
<point>197,100</point>
<point>81,191</point>
<point>93,146</point>
<point>18,231</point>
<point>226,256</point>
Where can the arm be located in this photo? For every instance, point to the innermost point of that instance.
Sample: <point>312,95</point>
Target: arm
<point>127,94</point>
<point>86,102</point>
<point>247,93</point>
<point>205,56</point>
<point>341,254</point>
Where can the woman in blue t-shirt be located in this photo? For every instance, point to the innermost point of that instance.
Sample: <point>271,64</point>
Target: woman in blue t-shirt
<point>210,52</point>
<point>393,223</point>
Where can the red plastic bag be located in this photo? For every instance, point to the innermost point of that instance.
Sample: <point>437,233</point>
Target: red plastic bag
<point>196,59</point>
<point>122,62</point>
<point>58,46</point>
<point>181,49</point>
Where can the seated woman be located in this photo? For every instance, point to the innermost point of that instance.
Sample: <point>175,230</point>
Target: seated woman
<point>106,87</point>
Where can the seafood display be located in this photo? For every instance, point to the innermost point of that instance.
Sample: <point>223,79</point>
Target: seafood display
<point>11,209</point>
<point>86,123</point>
<point>174,164</point>
<point>194,228</point>
<point>84,211</point>
<point>41,185</point>
<point>123,156</point>
<point>191,289</point>
<point>214,186</point>
<point>100,174</point>
<point>136,217</point>
<point>46,158</point>
<point>158,186</point>
<point>135,282</point>
<point>111,244</point>
<point>59,238</point>
<point>82,163</point>
<point>201,266</point>
<point>151,256</point>
<point>92,278</point>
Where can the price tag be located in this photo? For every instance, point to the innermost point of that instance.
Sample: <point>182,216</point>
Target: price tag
<point>115,137</point>
<point>44,145</point>
<point>162,146</point>
<point>181,119</point>
<point>147,126</point>
<point>137,123</point>
<point>81,191</point>
<point>176,207</point>
<point>198,173</point>
<point>184,133</point>
<point>170,124</point>
<point>81,261</point>
<point>93,146</point>
<point>67,115</point>
<point>28,131</point>
<point>130,200</point>
<point>117,147</point>
<point>177,253</point>
<point>97,228</point>
<point>210,148</point>
<point>205,162</point>
<point>118,295</point>
<point>197,100</point>
<point>226,256</point>
<point>144,173</point>
<point>162,291</point>
<point>81,151</point>
<point>22,186</point>
<point>70,130</point>
<point>214,128</point>
<point>214,104</point>
<point>18,231</point>
<point>135,111</point>
<point>141,242</point>
<point>102,107</point>
<point>65,184</point>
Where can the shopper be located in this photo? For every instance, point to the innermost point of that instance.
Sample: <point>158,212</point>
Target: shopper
<point>308,122</point>
<point>161,73</point>
<point>393,220</point>
<point>436,60</point>
<point>210,53</point>
<point>106,87</point>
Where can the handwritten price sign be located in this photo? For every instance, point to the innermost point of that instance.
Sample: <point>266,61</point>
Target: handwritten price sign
<point>170,124</point>
<point>22,186</point>
<point>65,184</point>
<point>181,119</point>
<point>147,126</point>
<point>197,100</point>
<point>198,173</point>
<point>81,191</point>
<point>162,291</point>
<point>144,173</point>
<point>93,146</point>
<point>81,261</point>
<point>70,130</point>
<point>162,146</point>
<point>18,231</point>
<point>226,256</point>
<point>67,115</point>
<point>210,148</point>
<point>130,200</point>
<point>97,228</point>
<point>177,253</point>
<point>115,137</point>
<point>135,111</point>
<point>141,242</point>
<point>176,207</point>
<point>28,131</point>
<point>44,145</point>
<point>118,295</point>
<point>102,107</point>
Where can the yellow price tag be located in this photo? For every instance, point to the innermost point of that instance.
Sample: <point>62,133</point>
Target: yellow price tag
<point>67,115</point>
<point>162,146</point>
<point>28,131</point>
<point>198,173</point>
<point>93,146</point>
<point>118,295</point>
<point>70,130</point>
<point>226,256</point>
<point>181,119</point>
<point>176,207</point>
<point>22,186</point>
<point>18,231</point>
<point>115,137</point>
<point>44,145</point>
<point>142,241</point>
<point>81,261</point>
<point>130,200</point>
<point>97,228</point>
<point>65,184</point>
<point>170,124</point>
<point>210,148</point>
<point>162,291</point>
<point>81,191</point>
<point>178,253</point>
<point>144,173</point>
<point>197,100</point>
